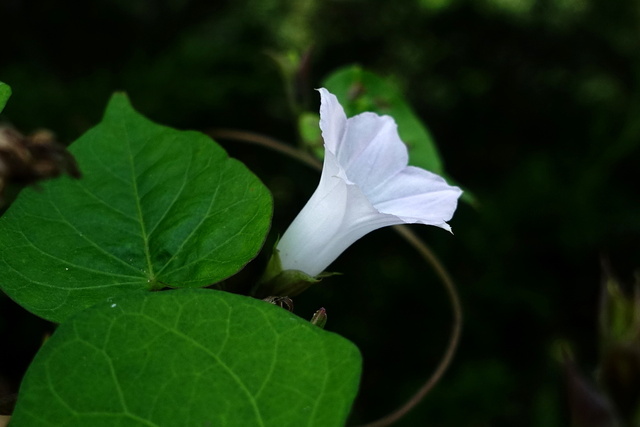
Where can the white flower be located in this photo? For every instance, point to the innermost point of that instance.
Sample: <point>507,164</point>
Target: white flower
<point>365,185</point>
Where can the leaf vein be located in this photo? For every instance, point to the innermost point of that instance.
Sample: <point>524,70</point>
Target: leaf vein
<point>218,360</point>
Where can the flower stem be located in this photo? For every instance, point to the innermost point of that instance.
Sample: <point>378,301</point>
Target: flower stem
<point>411,238</point>
<point>265,141</point>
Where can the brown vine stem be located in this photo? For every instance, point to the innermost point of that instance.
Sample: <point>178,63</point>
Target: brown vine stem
<point>265,141</point>
<point>454,338</point>
<point>412,239</point>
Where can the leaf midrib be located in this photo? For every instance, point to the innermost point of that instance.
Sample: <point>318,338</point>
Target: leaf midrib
<point>134,182</point>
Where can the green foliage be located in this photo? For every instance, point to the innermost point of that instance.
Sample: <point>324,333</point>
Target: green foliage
<point>5,93</point>
<point>537,111</point>
<point>189,357</point>
<point>156,208</point>
<point>310,132</point>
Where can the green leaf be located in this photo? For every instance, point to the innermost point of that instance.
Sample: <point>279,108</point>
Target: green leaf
<point>156,207</point>
<point>359,90</point>
<point>189,357</point>
<point>5,93</point>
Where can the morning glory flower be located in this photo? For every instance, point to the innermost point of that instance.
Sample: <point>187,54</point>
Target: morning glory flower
<point>366,184</point>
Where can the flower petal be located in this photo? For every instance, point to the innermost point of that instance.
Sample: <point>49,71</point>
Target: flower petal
<point>417,196</point>
<point>335,216</point>
<point>333,120</point>
<point>319,222</point>
<point>371,150</point>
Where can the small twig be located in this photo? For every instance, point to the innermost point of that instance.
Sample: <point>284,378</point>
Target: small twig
<point>412,239</point>
<point>265,141</point>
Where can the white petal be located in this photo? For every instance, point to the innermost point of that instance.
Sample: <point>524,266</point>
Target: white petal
<point>318,223</point>
<point>335,216</point>
<point>417,196</point>
<point>371,151</point>
<point>333,120</point>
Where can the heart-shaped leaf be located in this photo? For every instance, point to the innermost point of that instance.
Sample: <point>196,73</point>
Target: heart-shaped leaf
<point>189,357</point>
<point>156,207</point>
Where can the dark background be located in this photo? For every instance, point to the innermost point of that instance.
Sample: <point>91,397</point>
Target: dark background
<point>534,106</point>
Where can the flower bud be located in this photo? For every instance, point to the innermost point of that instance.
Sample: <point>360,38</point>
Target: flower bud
<point>319,318</point>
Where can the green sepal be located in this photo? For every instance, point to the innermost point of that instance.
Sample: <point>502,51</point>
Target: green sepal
<point>278,282</point>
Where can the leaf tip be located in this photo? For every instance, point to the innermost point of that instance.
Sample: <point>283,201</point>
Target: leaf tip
<point>119,101</point>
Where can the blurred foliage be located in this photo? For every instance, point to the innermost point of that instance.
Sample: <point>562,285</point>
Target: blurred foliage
<point>5,93</point>
<point>534,106</point>
<point>619,370</point>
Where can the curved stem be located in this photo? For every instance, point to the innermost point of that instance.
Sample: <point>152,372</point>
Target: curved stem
<point>412,239</point>
<point>454,338</point>
<point>265,141</point>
